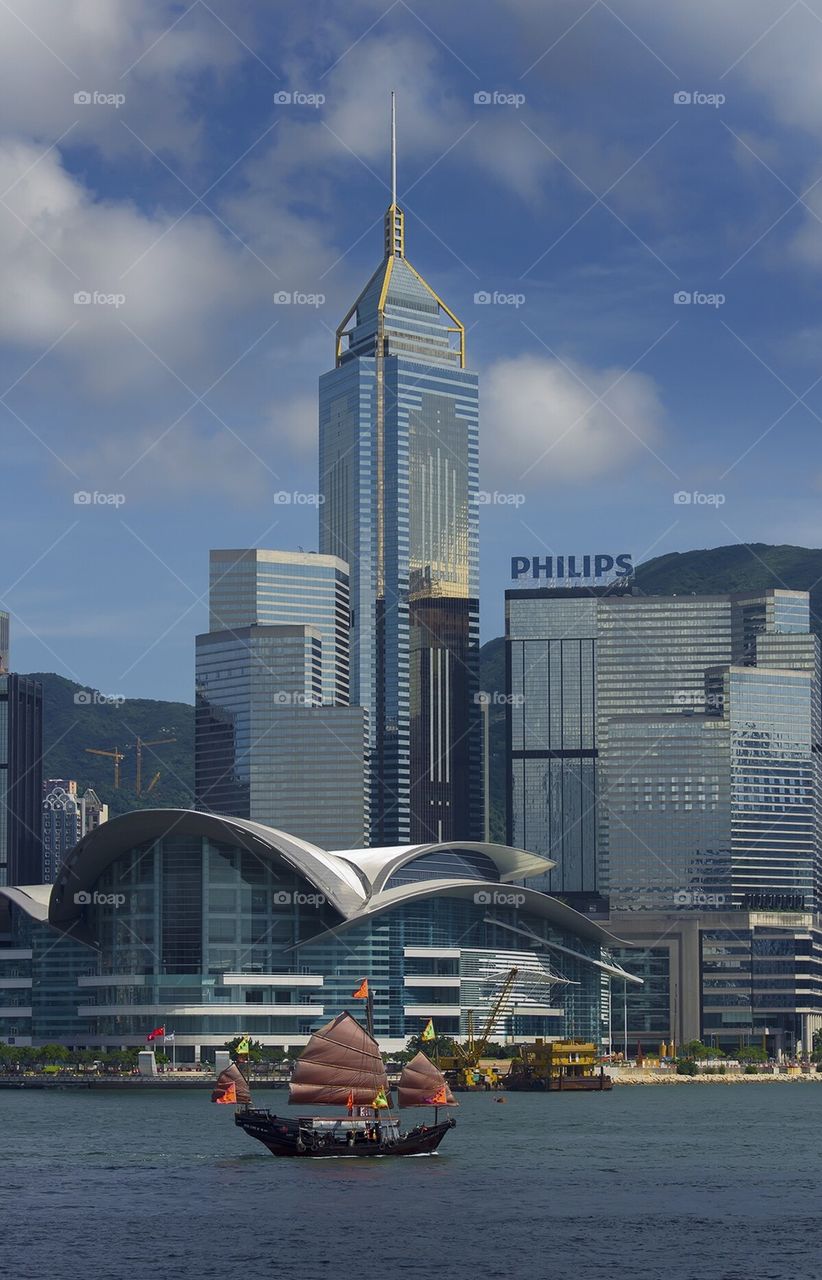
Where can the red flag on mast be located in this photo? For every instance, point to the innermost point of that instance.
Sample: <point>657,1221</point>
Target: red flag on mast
<point>362,991</point>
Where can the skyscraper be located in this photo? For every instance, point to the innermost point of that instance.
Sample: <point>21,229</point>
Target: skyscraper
<point>67,817</point>
<point>665,750</point>
<point>4,642</point>
<point>265,746</point>
<point>21,765</point>
<point>399,459</point>
<point>286,588</point>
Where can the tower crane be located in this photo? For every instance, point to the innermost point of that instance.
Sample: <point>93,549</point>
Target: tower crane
<point>116,755</point>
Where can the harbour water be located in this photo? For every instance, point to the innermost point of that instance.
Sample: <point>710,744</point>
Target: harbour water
<point>655,1184</point>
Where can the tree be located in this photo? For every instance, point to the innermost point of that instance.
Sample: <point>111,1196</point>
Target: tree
<point>444,1045</point>
<point>751,1053</point>
<point>699,1051</point>
<point>256,1049</point>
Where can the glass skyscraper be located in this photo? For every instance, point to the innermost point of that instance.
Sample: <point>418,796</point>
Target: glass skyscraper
<point>665,750</point>
<point>21,780</point>
<point>399,481</point>
<point>266,748</point>
<point>286,588</point>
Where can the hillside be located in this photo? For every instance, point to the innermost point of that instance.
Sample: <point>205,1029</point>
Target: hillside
<point>69,727</point>
<point>751,567</point>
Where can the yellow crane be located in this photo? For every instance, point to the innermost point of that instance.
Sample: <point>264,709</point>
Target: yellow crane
<point>466,1056</point>
<point>138,754</point>
<point>116,755</point>
<point>475,1046</point>
<point>153,782</point>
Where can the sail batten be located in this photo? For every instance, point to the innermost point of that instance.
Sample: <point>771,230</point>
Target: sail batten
<point>341,1065</point>
<point>422,1084</point>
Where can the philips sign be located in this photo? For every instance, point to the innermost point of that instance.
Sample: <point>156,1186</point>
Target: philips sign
<point>571,568</point>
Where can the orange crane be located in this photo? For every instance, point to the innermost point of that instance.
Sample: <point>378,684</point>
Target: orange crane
<point>138,779</point>
<point>116,755</point>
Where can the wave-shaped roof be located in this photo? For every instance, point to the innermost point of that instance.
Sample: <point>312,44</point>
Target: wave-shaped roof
<point>354,881</point>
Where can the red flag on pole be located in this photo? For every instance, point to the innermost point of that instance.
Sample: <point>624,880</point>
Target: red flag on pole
<point>362,991</point>
<point>156,1033</point>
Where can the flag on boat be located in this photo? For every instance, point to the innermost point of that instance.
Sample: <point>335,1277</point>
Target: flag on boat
<point>440,1098</point>
<point>243,1047</point>
<point>349,1102</point>
<point>380,1100</point>
<point>229,1094</point>
<point>362,991</point>
<point>156,1033</point>
<point>428,1032</point>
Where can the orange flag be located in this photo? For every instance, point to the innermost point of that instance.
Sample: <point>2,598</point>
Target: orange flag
<point>349,1102</point>
<point>362,991</point>
<point>439,1099</point>
<point>229,1094</point>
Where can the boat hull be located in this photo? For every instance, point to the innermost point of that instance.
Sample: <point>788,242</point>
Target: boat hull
<point>299,1139</point>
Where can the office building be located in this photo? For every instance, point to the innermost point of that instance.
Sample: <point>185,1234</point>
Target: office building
<point>728,978</point>
<point>253,587</point>
<point>4,642</point>
<point>665,750</point>
<point>215,927</point>
<point>266,746</point>
<point>21,785</point>
<point>399,486</point>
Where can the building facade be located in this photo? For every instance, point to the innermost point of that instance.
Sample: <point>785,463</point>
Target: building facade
<point>21,780</point>
<point>266,746</point>
<point>287,588</point>
<point>665,751</point>
<point>399,475</point>
<point>67,817</point>
<point>215,926</point>
<point>728,978</point>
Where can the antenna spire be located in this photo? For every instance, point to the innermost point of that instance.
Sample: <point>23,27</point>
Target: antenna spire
<point>393,147</point>
<point>394,218</point>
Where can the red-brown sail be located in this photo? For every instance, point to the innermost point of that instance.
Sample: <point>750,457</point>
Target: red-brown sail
<point>232,1076</point>
<point>340,1062</point>
<point>421,1083</point>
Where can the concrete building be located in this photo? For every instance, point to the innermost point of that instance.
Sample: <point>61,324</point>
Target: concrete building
<point>67,817</point>
<point>21,773</point>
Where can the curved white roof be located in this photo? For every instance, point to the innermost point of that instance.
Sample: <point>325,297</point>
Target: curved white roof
<point>378,865</point>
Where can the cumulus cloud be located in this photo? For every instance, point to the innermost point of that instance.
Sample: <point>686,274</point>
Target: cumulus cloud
<point>142,49</point>
<point>543,421</point>
<point>59,245</point>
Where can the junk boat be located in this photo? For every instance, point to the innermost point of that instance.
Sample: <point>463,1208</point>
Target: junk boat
<point>341,1066</point>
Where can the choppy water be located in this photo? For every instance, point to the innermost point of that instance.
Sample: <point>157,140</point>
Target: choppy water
<point>649,1183</point>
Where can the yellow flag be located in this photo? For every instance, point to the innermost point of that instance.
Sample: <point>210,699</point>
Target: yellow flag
<point>428,1032</point>
<point>243,1047</point>
<point>380,1100</point>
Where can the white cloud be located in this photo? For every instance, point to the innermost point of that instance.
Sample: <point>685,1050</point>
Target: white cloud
<point>49,52</point>
<point>542,423</point>
<point>170,284</point>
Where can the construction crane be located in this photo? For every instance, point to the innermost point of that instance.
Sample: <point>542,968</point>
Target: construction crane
<point>138,754</point>
<point>475,1046</point>
<point>153,782</point>
<point>116,755</point>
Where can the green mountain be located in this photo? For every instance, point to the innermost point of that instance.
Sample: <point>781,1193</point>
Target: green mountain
<point>72,726</point>
<point>73,720</point>
<point>749,567</point>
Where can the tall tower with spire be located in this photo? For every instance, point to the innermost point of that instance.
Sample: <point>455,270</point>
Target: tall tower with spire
<point>399,475</point>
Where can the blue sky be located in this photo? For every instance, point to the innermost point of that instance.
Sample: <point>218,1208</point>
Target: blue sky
<point>184,196</point>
